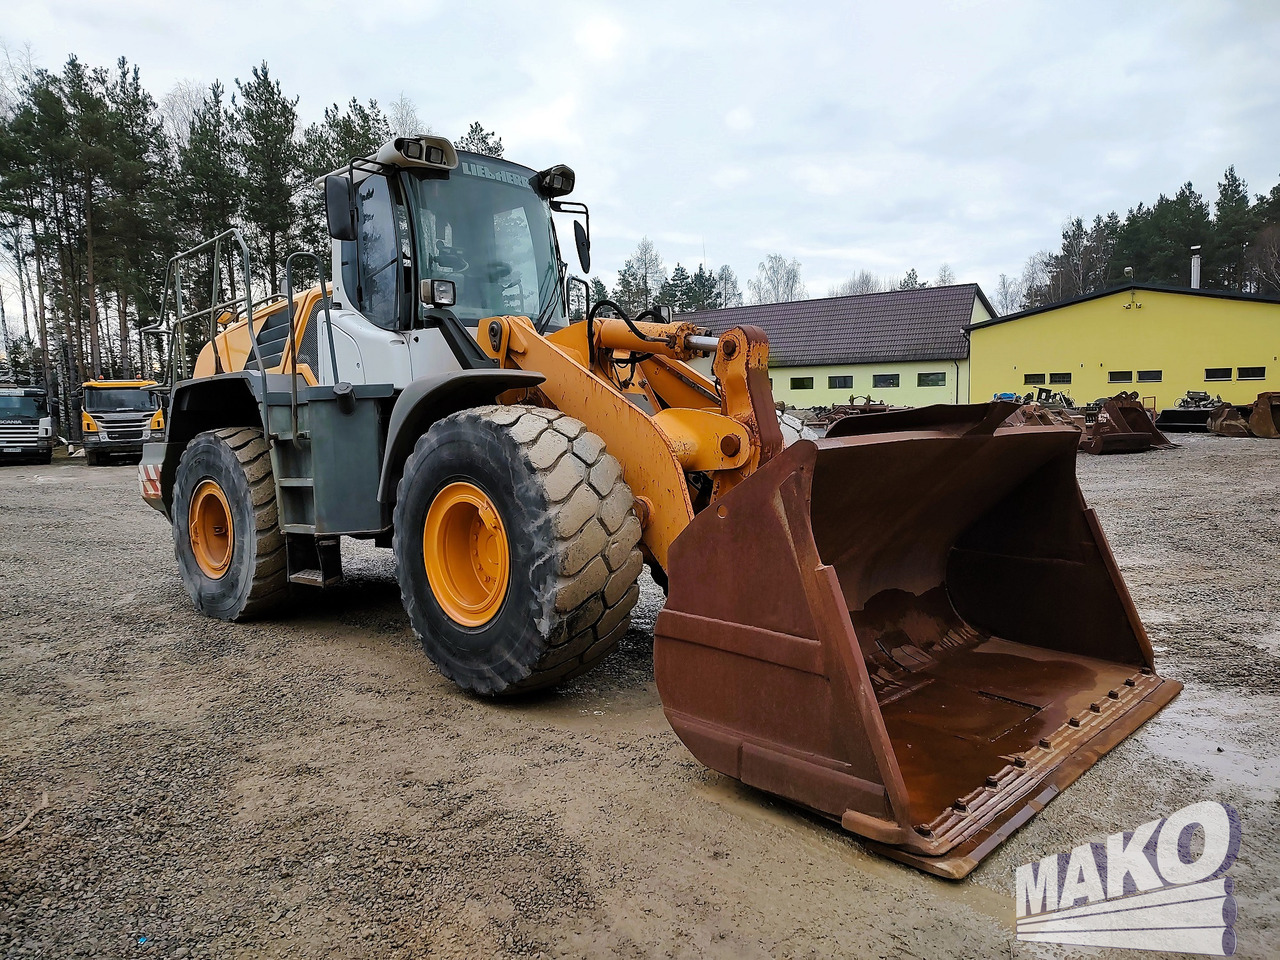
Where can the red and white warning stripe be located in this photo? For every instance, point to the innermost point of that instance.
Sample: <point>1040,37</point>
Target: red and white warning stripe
<point>149,480</point>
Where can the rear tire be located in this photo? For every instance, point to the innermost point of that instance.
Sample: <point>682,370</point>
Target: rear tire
<point>224,498</point>
<point>569,530</point>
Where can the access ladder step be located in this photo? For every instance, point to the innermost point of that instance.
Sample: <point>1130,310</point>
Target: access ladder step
<point>296,482</point>
<point>313,578</point>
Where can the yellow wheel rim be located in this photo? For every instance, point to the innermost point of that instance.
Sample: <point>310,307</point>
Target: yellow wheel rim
<point>466,553</point>
<point>212,532</point>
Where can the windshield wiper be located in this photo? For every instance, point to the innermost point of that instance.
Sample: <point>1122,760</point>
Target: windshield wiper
<point>544,315</point>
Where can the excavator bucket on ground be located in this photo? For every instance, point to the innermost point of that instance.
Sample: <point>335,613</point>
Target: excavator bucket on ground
<point>1035,415</point>
<point>1264,421</point>
<point>1123,426</point>
<point>913,626</point>
<point>1226,421</point>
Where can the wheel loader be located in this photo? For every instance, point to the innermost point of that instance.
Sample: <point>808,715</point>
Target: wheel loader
<point>913,626</point>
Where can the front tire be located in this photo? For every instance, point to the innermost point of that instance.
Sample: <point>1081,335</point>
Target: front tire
<point>516,548</point>
<point>226,536</point>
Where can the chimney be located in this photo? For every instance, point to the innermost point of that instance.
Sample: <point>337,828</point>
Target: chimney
<point>1195,268</point>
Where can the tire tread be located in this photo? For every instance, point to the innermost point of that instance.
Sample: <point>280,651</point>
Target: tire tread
<point>595,532</point>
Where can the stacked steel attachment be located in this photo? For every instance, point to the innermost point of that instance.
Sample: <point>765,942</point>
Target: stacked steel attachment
<point>1190,414</point>
<point>1258,419</point>
<point>1123,425</point>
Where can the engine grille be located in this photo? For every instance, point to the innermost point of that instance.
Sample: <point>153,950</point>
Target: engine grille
<point>122,426</point>
<point>310,338</point>
<point>19,434</point>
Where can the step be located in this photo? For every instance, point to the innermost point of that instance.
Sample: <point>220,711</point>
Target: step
<point>296,482</point>
<point>311,578</point>
<point>273,338</point>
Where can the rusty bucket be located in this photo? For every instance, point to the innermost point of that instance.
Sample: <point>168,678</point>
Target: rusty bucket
<point>1264,419</point>
<point>1226,421</point>
<point>914,627</point>
<point>1124,426</point>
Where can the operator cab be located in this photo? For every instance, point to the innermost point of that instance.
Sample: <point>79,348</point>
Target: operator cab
<point>480,222</point>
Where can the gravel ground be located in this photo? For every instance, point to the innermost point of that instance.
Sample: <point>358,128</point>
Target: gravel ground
<point>311,786</point>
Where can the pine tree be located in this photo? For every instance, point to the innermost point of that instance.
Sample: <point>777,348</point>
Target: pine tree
<point>912,281</point>
<point>1234,227</point>
<point>674,292</point>
<point>479,140</point>
<point>629,293</point>
<point>210,191</point>
<point>354,131</point>
<point>91,130</point>
<point>266,121</point>
<point>703,291</point>
<point>134,212</point>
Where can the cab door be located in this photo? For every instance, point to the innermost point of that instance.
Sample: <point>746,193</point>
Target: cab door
<point>378,281</point>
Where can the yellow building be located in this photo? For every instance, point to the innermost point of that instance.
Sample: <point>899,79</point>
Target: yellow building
<point>903,347</point>
<point>1159,341</point>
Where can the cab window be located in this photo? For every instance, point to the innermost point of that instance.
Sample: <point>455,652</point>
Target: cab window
<point>375,271</point>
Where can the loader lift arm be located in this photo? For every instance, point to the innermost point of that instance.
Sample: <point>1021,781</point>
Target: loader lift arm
<point>663,420</point>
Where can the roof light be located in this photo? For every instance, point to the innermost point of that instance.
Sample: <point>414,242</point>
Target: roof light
<point>553,182</point>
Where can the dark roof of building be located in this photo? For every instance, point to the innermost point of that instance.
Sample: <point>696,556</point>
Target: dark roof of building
<point>923,324</point>
<point>1125,288</point>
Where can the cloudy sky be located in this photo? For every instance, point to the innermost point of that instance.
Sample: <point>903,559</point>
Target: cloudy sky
<point>877,136</point>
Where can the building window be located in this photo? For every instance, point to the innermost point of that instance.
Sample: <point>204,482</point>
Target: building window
<point>1032,379</point>
<point>931,379</point>
<point>840,383</point>
<point>883,381</point>
<point>1059,378</point>
<point>1217,373</point>
<point>1252,373</point>
<point>802,383</point>
<point>1150,376</point>
<point>1120,376</point>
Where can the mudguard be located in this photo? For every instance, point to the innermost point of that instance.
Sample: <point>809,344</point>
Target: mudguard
<point>425,401</point>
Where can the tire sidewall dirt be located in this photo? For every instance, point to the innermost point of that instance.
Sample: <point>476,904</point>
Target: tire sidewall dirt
<point>208,457</point>
<point>504,650</point>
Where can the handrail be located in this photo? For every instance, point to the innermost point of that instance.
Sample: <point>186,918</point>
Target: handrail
<point>177,327</point>
<point>293,327</point>
<point>180,318</point>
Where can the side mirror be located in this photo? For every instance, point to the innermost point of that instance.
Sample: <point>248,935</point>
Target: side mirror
<point>340,207</point>
<point>583,242</point>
